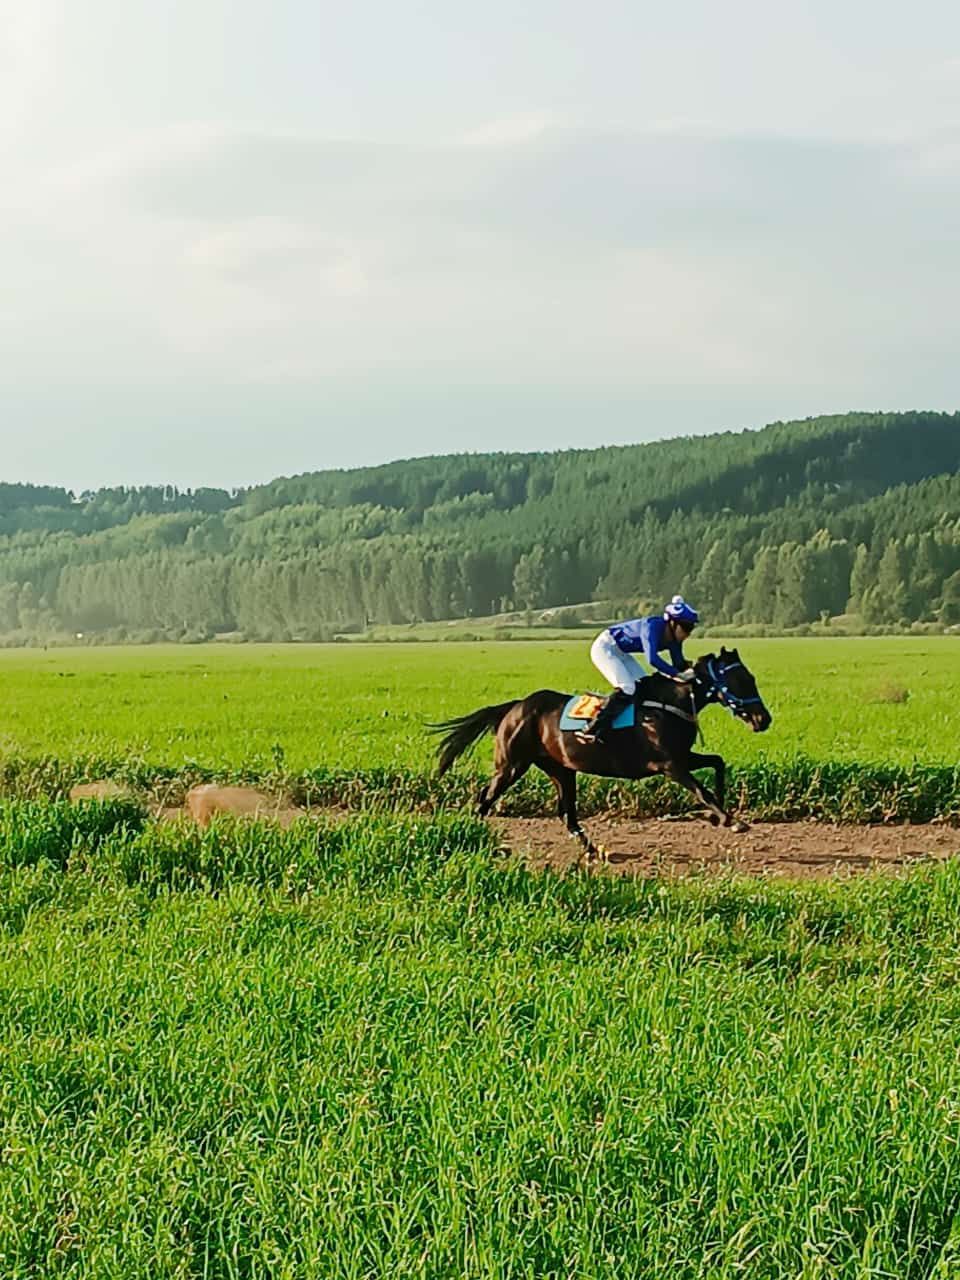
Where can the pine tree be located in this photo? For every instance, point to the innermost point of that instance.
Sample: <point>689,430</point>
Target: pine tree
<point>795,571</point>
<point>950,606</point>
<point>529,579</point>
<point>760,588</point>
<point>709,587</point>
<point>892,582</point>
<point>862,578</point>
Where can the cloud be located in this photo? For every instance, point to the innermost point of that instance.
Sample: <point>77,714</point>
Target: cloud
<point>525,252</point>
<point>510,130</point>
<point>629,188</point>
<point>935,157</point>
<point>29,52</point>
<point>261,247</point>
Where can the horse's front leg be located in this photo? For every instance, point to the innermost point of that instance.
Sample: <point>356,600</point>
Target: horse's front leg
<point>716,763</point>
<point>681,773</point>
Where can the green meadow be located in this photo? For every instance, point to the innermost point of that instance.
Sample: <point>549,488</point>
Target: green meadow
<point>370,1045</point>
<point>364,706</point>
<point>864,729</point>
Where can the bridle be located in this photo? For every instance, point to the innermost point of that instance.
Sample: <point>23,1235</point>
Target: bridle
<point>721,691</point>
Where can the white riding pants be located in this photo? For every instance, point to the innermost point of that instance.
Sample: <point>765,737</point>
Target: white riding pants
<point>621,669</point>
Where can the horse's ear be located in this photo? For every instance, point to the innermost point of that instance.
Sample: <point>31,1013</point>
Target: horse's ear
<point>723,651</point>
<point>735,653</point>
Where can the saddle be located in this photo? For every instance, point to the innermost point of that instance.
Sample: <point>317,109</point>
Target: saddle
<point>582,707</point>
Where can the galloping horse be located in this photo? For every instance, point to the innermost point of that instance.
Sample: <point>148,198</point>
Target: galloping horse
<point>660,742</point>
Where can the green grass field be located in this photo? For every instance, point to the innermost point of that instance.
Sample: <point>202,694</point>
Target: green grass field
<point>369,1050</point>
<point>371,1047</point>
<point>357,707</point>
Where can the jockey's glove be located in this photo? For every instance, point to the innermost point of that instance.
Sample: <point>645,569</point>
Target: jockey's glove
<point>688,676</point>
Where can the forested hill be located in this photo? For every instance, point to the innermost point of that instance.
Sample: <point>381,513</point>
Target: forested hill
<point>858,513</point>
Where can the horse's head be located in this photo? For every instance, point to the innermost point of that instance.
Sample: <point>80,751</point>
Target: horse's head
<point>726,680</point>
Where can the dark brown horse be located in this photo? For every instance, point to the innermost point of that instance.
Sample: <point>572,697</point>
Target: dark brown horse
<point>661,742</point>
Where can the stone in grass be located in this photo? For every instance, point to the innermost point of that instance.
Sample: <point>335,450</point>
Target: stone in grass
<point>205,802</point>
<point>105,789</point>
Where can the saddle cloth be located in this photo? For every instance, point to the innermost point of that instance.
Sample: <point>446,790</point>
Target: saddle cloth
<point>584,706</point>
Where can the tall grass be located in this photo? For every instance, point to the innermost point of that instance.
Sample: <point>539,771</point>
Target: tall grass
<point>781,790</point>
<point>370,1048</point>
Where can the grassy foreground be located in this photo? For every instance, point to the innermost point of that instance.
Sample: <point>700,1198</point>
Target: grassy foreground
<point>371,1050</point>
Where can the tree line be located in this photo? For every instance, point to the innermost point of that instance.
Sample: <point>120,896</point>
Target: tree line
<point>856,513</point>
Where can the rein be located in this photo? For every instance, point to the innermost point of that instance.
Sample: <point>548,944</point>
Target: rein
<point>674,711</point>
<point>719,691</point>
<point>690,716</point>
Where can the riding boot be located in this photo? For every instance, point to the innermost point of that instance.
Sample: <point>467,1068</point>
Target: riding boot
<point>597,729</point>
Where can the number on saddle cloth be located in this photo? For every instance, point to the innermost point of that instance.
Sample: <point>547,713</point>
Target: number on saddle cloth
<point>582,707</point>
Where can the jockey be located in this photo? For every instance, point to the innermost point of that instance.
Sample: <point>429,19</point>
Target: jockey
<point>612,654</point>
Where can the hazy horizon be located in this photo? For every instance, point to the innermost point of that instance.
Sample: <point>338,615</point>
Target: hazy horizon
<point>243,241</point>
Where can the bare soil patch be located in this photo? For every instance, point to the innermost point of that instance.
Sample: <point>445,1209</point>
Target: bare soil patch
<point>205,802</point>
<point>675,848</point>
<point>650,847</point>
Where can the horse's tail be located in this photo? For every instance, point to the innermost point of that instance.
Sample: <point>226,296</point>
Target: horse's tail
<point>461,734</point>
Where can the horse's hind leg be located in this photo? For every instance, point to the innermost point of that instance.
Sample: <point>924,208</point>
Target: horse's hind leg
<point>565,781</point>
<point>501,781</point>
<point>509,766</point>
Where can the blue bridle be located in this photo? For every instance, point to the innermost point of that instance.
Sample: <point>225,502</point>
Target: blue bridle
<point>732,701</point>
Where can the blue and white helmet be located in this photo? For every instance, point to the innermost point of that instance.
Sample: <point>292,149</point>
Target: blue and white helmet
<point>679,611</point>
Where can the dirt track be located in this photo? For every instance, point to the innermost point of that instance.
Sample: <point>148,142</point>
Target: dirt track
<point>795,849</point>
<point>652,847</point>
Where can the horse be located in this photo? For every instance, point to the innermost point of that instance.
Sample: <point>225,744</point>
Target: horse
<point>661,740</point>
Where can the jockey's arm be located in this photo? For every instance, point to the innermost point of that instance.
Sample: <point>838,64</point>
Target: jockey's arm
<point>684,672</point>
<point>652,636</point>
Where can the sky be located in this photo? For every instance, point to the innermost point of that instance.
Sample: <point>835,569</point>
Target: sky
<point>240,239</point>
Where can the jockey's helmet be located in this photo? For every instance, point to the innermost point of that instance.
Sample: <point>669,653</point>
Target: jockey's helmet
<point>679,611</point>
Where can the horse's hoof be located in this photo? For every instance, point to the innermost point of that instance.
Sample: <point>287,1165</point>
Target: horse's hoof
<point>713,820</point>
<point>738,827</point>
